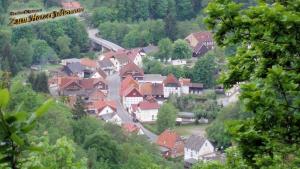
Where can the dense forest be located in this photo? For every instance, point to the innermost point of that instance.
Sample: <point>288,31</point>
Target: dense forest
<point>259,41</point>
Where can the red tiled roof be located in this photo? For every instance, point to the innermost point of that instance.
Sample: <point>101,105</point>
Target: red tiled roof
<point>130,89</point>
<point>168,139</point>
<point>203,36</point>
<point>132,54</point>
<point>127,82</point>
<point>157,89</point>
<point>130,127</point>
<point>101,104</point>
<point>88,63</point>
<point>97,95</point>
<point>146,88</point>
<point>171,79</point>
<point>84,83</point>
<point>131,67</point>
<point>145,105</point>
<point>65,81</point>
<point>71,5</point>
<point>184,81</point>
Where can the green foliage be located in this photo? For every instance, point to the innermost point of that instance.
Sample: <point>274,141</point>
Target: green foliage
<point>267,59</point>
<point>165,49</point>
<point>63,43</point>
<point>181,50</point>
<point>103,14</point>
<point>23,52</point>
<point>166,117</point>
<point>184,9</point>
<point>204,70</point>
<point>79,111</point>
<point>42,52</point>
<point>39,82</point>
<point>15,127</point>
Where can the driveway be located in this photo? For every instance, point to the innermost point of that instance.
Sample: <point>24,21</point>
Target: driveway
<point>114,84</point>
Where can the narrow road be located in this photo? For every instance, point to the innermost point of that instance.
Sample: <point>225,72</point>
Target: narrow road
<point>114,84</point>
<point>105,43</point>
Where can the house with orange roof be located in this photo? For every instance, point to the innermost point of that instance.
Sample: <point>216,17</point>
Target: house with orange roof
<point>200,42</point>
<point>131,95</point>
<point>131,128</point>
<point>89,63</point>
<point>118,58</point>
<point>170,144</point>
<point>185,85</point>
<point>133,70</point>
<point>102,107</point>
<point>145,111</point>
<point>154,90</point>
<point>171,86</point>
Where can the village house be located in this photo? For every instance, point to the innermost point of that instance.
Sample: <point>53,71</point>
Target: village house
<point>117,58</point>
<point>89,64</point>
<point>98,73</point>
<point>131,128</point>
<point>145,111</point>
<point>129,92</point>
<point>152,78</point>
<point>200,42</point>
<point>170,144</point>
<point>74,86</point>
<point>75,69</point>
<point>190,88</point>
<point>113,118</point>
<point>107,66</point>
<point>135,56</point>
<point>197,148</point>
<point>64,62</point>
<point>154,90</point>
<point>171,86</point>
<point>102,107</point>
<point>149,50</point>
<point>133,70</point>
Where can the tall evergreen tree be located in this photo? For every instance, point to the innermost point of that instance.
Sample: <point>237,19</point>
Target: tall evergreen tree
<point>170,20</point>
<point>78,110</point>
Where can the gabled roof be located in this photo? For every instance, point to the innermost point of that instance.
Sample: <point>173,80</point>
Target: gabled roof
<point>101,104</point>
<point>145,105</point>
<point>171,79</point>
<point>88,63</point>
<point>127,82</point>
<point>132,53</point>
<point>65,81</point>
<point>203,36</point>
<point>131,68</point>
<point>105,63</point>
<point>120,55</point>
<point>195,142</point>
<point>129,90</point>
<point>97,95</point>
<point>75,67</point>
<point>146,88</point>
<point>130,127</point>
<point>168,139</point>
<point>157,89</point>
<point>184,81</point>
<point>102,73</point>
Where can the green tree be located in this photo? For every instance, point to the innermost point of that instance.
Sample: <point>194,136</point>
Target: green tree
<point>158,8</point>
<point>204,71</point>
<point>61,155</point>
<point>23,52</point>
<point>267,59</point>
<point>15,127</point>
<point>103,14</point>
<point>63,43</point>
<point>170,20</point>
<point>165,49</point>
<point>40,83</point>
<point>42,52</point>
<point>78,110</point>
<point>166,117</point>
<point>184,9</point>
<point>181,50</point>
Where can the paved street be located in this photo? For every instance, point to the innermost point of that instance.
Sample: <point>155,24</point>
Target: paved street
<point>114,84</point>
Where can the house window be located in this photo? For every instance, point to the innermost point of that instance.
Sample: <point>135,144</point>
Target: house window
<point>152,117</point>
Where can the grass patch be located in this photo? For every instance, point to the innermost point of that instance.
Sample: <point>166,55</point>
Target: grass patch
<point>187,130</point>
<point>183,130</point>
